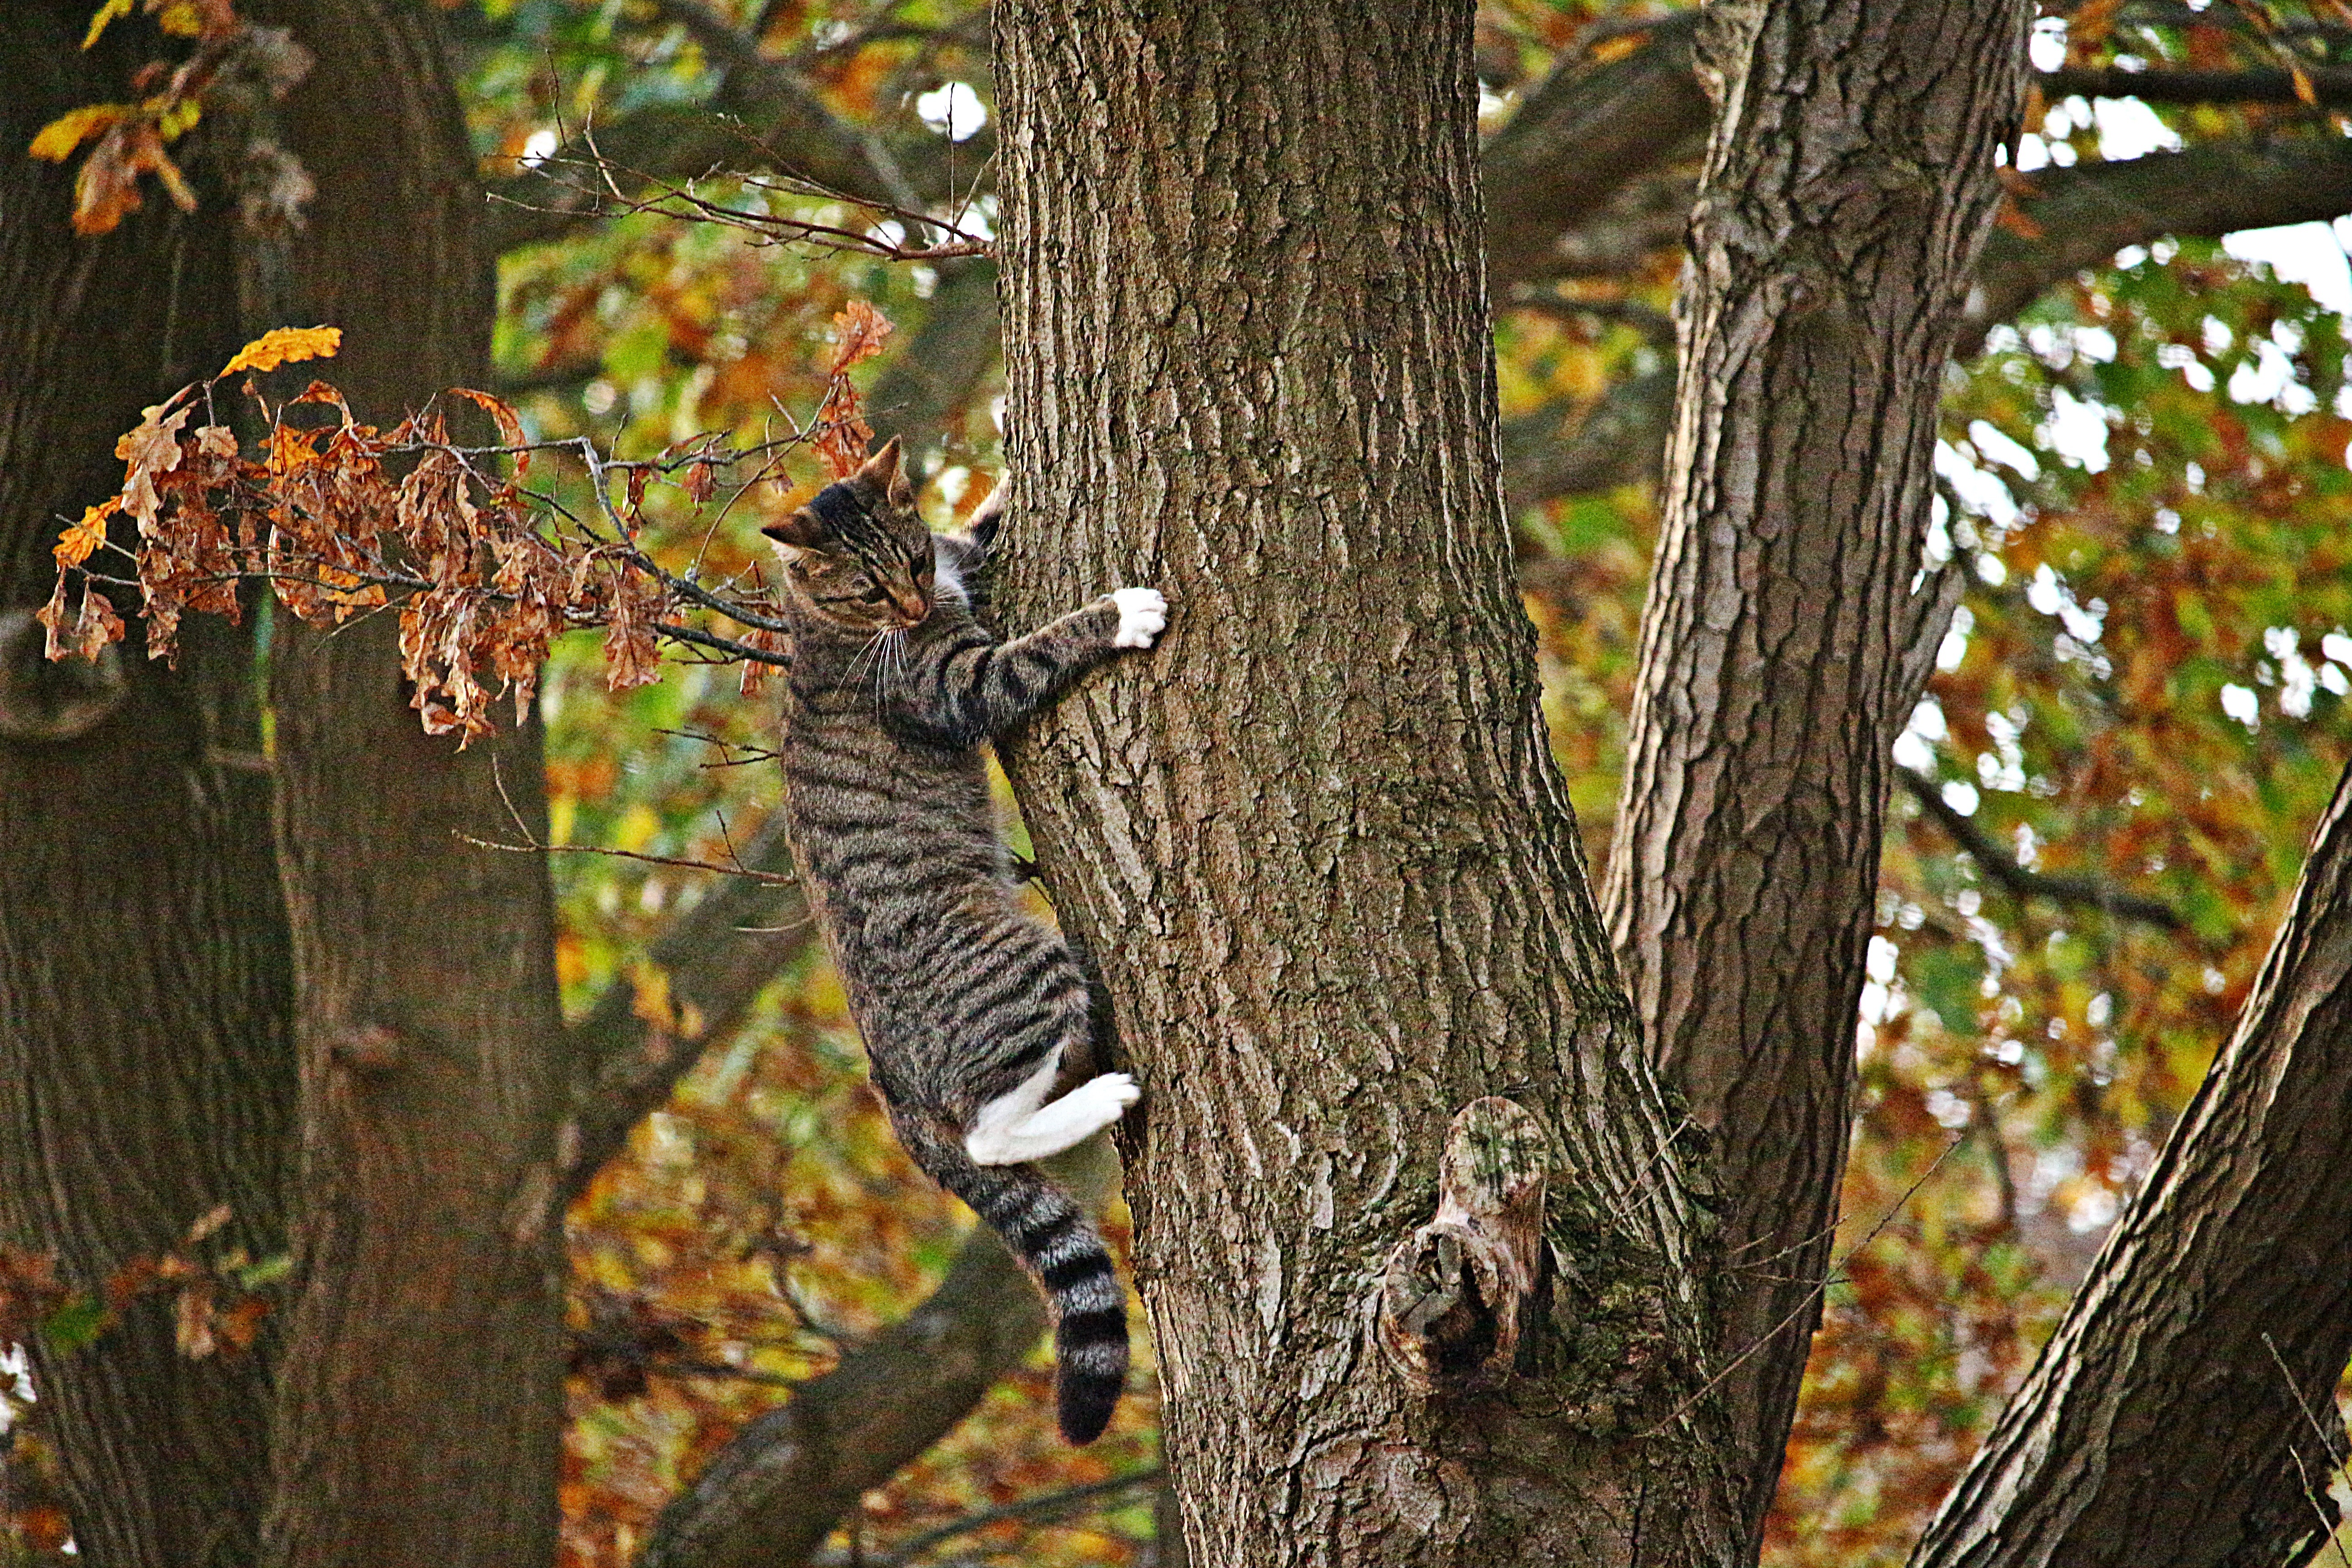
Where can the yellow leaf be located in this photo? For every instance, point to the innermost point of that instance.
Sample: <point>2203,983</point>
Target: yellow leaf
<point>106,13</point>
<point>181,20</point>
<point>177,117</point>
<point>76,543</point>
<point>68,130</point>
<point>284,345</point>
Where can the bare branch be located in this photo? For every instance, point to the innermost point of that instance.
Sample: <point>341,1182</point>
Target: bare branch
<point>2075,892</point>
<point>2331,86</point>
<point>1043,1509</point>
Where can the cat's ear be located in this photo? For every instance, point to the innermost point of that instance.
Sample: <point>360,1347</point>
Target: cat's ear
<point>803,530</point>
<point>885,472</point>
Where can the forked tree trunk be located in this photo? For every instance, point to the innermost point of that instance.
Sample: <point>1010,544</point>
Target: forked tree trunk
<point>421,1403</point>
<point>1848,188</point>
<point>146,1062</point>
<point>2184,1413</point>
<point>1316,837</point>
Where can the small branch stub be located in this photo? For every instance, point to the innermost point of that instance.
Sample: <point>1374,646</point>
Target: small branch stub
<point>1456,1293</point>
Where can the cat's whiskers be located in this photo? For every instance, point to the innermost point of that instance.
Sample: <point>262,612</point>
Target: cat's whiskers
<point>871,650</point>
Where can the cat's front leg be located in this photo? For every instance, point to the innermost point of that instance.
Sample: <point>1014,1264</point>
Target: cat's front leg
<point>978,687</point>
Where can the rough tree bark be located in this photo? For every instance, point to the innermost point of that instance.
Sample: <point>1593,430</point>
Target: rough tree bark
<point>1848,188</point>
<point>420,1405</point>
<point>2184,1412</point>
<point>146,1061</point>
<point>1317,839</point>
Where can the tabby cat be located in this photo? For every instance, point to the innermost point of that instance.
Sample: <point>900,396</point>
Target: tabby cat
<point>968,1005</point>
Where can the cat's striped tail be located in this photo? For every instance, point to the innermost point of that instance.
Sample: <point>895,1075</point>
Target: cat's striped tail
<point>1061,1249</point>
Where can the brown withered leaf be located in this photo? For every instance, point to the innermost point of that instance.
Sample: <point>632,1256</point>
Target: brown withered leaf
<point>756,675</point>
<point>510,430</point>
<point>53,616</point>
<point>700,482</point>
<point>241,1324</point>
<point>216,441</point>
<point>632,649</point>
<point>96,626</point>
<point>858,331</point>
<point>151,450</point>
<point>192,1321</point>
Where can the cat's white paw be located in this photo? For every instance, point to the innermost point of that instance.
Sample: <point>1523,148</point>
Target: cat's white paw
<point>1142,617</point>
<point>1111,1089</point>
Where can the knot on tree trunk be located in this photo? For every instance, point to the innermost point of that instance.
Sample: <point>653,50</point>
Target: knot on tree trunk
<point>1457,1293</point>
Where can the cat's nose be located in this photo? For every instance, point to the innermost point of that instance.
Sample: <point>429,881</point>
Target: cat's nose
<point>912,607</point>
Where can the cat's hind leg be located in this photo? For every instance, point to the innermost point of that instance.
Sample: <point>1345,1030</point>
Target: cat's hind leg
<point>1015,1128</point>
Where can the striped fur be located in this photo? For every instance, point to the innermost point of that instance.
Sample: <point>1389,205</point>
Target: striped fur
<point>969,1007</point>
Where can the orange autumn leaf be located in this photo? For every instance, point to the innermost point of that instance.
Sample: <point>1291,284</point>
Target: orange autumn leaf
<point>284,345</point>
<point>76,543</point>
<point>151,450</point>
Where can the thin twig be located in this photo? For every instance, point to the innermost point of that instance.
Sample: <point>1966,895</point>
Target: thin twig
<point>1835,1276</point>
<point>1049,1507</point>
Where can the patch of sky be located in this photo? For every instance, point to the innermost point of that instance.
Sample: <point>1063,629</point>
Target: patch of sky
<point>2241,703</point>
<point>2297,679</point>
<point>953,110</point>
<point>2076,430</point>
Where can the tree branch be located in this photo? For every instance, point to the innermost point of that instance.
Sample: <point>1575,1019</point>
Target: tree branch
<point>2084,214</point>
<point>2331,86</point>
<point>2078,217</point>
<point>1043,1509</point>
<point>1584,134</point>
<point>770,1497</point>
<point>2219,1315</point>
<point>2079,892</point>
<point>714,963</point>
<point>760,101</point>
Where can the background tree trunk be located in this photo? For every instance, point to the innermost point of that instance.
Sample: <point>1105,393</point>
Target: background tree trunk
<point>1789,633</point>
<point>420,1410</point>
<point>1317,839</point>
<point>146,1063</point>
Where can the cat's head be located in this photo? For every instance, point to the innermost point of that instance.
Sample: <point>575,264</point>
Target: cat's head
<point>858,554</point>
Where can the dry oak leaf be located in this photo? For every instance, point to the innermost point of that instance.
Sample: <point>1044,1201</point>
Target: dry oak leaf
<point>858,331</point>
<point>152,448</point>
<point>509,426</point>
<point>76,543</point>
<point>284,345</point>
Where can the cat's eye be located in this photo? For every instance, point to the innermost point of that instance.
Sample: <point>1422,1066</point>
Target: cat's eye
<point>874,594</point>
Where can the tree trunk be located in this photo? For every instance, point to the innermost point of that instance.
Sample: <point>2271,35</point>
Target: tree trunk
<point>1848,189</point>
<point>1317,839</point>
<point>146,1063</point>
<point>2184,1413</point>
<point>421,1404</point>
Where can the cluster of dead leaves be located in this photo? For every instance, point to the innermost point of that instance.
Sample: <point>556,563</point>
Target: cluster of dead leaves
<point>340,519</point>
<point>217,1305</point>
<point>233,61</point>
